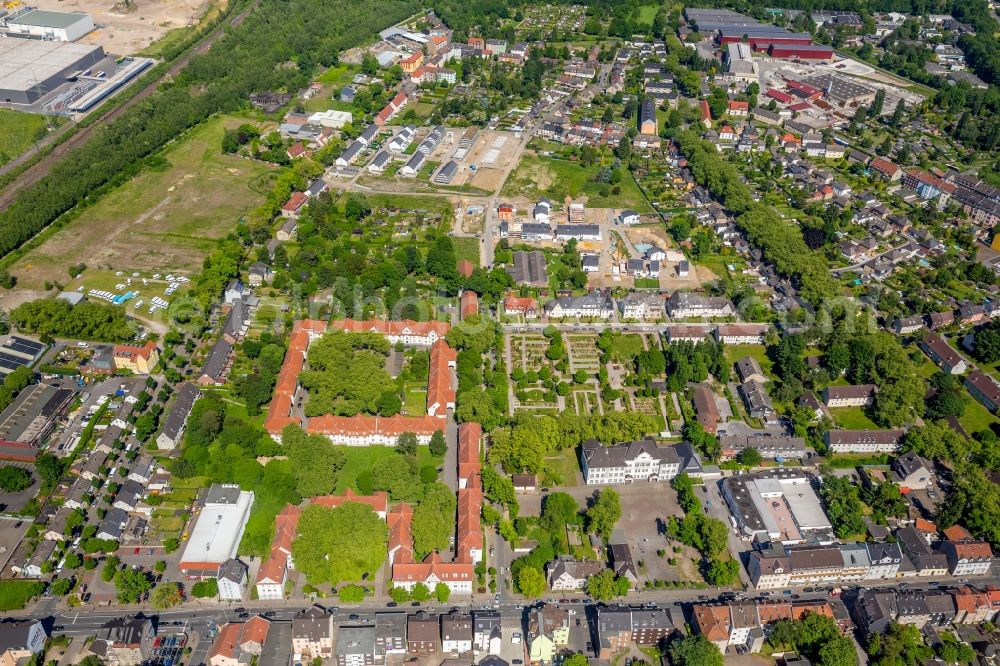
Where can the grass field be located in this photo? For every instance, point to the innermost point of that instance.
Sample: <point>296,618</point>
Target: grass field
<point>17,132</point>
<point>647,13</point>
<point>566,466</point>
<point>556,178</point>
<point>14,594</point>
<point>852,418</point>
<point>626,347</point>
<point>165,220</point>
<point>467,248</point>
<point>362,458</point>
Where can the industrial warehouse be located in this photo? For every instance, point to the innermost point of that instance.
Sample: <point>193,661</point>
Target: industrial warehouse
<point>31,69</point>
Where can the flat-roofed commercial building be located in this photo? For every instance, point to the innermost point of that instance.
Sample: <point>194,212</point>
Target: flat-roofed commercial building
<point>777,505</point>
<point>45,24</point>
<point>31,68</point>
<point>217,530</point>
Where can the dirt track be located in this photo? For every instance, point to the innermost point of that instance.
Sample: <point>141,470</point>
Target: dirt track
<point>37,171</point>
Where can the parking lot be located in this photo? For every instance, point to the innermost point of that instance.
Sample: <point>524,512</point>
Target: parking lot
<point>12,529</point>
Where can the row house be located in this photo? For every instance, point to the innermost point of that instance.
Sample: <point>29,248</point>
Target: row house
<point>855,395</point>
<point>864,441</point>
<point>943,354</point>
<point>983,388</point>
<point>688,305</point>
<point>742,624</point>
<point>592,305</point>
<point>770,446</point>
<point>741,334</point>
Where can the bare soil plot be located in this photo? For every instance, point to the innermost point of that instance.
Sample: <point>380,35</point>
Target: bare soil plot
<point>128,33</point>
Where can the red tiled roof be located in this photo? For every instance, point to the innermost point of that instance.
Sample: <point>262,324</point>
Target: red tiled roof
<point>379,502</point>
<point>285,529</point>
<point>516,304</point>
<point>470,533</point>
<point>361,425</point>
<point>255,630</point>
<point>131,351</point>
<point>227,642</point>
<point>956,532</point>
<point>296,201</point>
<point>469,436</point>
<point>400,522</point>
<point>439,389</point>
<point>470,303</point>
<point>713,622</point>
<point>432,566</point>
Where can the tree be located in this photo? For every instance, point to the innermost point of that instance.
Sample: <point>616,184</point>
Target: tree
<point>161,566</point>
<point>433,520</point>
<point>396,475</point>
<point>61,587</point>
<point>14,479</point>
<point>406,443</point>
<point>723,573</point>
<point>110,569</point>
<point>338,544</point>
<point>576,659</point>
<point>749,457</point>
<point>73,561</point>
<point>399,594</point>
<point>420,592</point>
<point>838,651</point>
<point>166,595</point>
<point>205,589</point>
<point>531,581</point>
<point>695,651</point>
<point>315,462</point>
<point>49,468</point>
<point>442,592</point>
<point>351,594</point>
<point>131,585</point>
<point>604,513</point>
<point>604,586</point>
<point>438,446</point>
<point>170,544</point>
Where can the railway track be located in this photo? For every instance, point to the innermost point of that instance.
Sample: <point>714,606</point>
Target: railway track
<point>40,169</point>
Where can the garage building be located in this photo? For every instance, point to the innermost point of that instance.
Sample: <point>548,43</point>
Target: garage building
<point>31,68</point>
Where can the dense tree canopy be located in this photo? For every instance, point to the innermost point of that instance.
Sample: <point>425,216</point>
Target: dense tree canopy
<point>87,320</point>
<point>340,544</point>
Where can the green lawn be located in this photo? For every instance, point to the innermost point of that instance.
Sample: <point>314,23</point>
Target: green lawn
<point>626,347</point>
<point>852,418</point>
<point>14,594</point>
<point>566,466</point>
<point>17,132</point>
<point>558,178</point>
<point>362,458</point>
<point>338,76</point>
<point>415,402</point>
<point>976,416</point>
